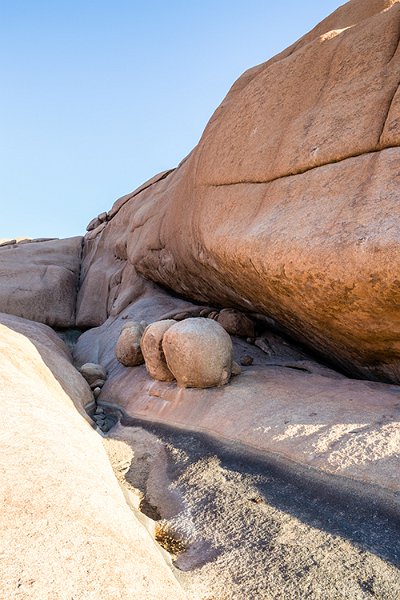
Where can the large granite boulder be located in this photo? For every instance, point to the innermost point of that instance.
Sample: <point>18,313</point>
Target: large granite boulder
<point>39,280</point>
<point>66,528</point>
<point>198,353</point>
<point>288,206</point>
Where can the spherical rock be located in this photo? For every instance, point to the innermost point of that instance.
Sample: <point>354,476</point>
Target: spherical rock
<point>128,350</point>
<point>93,372</point>
<point>198,352</point>
<point>152,350</point>
<point>236,323</point>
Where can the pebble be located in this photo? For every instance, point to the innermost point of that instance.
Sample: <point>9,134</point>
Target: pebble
<point>246,360</point>
<point>213,314</point>
<point>96,392</point>
<point>181,316</point>
<point>98,383</point>
<point>236,370</point>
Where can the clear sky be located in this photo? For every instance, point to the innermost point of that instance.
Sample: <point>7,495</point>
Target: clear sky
<point>97,96</point>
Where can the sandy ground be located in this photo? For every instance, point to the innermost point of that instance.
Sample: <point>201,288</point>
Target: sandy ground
<point>246,531</point>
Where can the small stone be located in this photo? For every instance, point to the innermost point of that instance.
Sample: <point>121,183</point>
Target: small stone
<point>97,391</point>
<point>213,314</point>
<point>93,372</point>
<point>153,353</point>
<point>257,500</point>
<point>94,223</point>
<point>97,384</point>
<point>109,422</point>
<point>246,360</point>
<point>236,323</point>
<point>236,370</point>
<point>99,410</point>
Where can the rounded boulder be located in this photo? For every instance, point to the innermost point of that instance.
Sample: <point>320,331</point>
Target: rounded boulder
<point>236,323</point>
<point>198,353</point>
<point>127,349</point>
<point>93,372</point>
<point>152,350</point>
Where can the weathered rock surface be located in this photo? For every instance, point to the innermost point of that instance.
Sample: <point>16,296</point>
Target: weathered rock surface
<point>66,528</point>
<point>39,280</point>
<point>284,404</point>
<point>153,352</point>
<point>198,353</point>
<point>298,217</point>
<point>128,350</point>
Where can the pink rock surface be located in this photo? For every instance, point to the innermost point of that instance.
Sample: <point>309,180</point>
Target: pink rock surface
<point>297,216</point>
<point>283,405</point>
<point>66,528</point>
<point>39,280</point>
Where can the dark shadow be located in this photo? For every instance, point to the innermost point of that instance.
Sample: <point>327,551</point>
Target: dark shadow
<point>322,503</point>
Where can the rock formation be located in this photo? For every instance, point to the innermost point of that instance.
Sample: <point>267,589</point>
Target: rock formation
<point>279,229</point>
<point>39,280</point>
<point>67,530</point>
<point>288,206</point>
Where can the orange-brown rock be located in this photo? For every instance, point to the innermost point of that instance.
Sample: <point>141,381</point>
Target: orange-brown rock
<point>39,280</point>
<point>288,206</point>
<point>153,352</point>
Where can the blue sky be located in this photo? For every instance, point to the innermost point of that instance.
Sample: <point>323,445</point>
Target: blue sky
<point>98,96</point>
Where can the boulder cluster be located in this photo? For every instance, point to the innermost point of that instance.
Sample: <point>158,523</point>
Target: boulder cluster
<point>196,352</point>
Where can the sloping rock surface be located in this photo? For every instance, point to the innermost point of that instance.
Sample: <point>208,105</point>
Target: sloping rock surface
<point>284,405</point>
<point>66,529</point>
<point>39,280</point>
<point>288,206</point>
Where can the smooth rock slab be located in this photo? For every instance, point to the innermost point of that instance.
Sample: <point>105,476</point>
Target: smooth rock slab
<point>66,528</point>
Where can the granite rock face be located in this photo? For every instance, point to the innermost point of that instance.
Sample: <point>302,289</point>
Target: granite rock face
<point>66,527</point>
<point>283,404</point>
<point>288,206</point>
<point>39,280</point>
